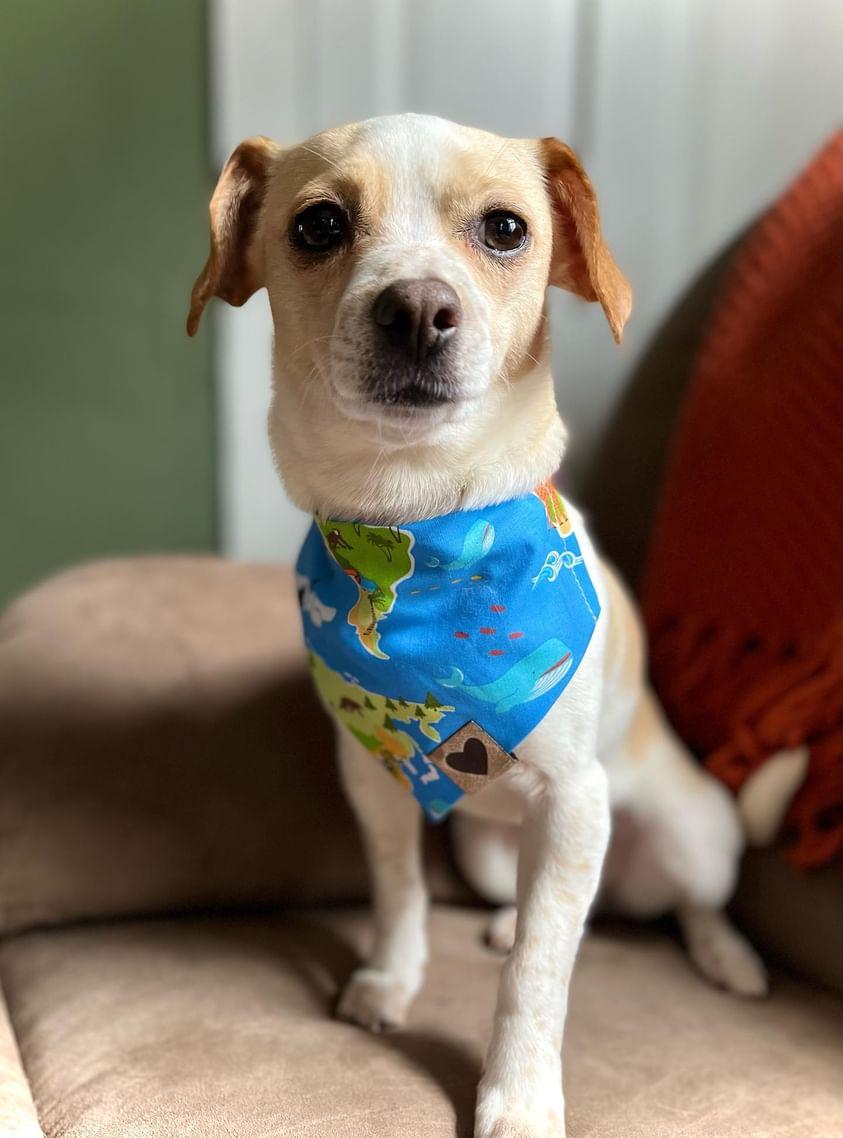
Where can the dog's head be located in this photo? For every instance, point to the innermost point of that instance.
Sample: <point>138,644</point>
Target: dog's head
<point>406,260</point>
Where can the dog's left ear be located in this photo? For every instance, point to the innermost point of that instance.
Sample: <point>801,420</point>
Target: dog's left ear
<point>581,261</point>
<point>233,270</point>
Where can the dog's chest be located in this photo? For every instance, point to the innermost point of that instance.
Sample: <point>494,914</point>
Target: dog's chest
<point>440,645</point>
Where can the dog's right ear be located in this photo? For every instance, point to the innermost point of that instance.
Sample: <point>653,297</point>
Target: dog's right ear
<point>233,270</point>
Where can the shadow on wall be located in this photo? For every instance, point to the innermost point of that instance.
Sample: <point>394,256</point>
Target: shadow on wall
<point>620,492</point>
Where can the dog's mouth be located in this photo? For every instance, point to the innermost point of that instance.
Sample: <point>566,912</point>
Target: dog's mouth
<point>416,385</point>
<point>421,393</point>
<point>413,411</point>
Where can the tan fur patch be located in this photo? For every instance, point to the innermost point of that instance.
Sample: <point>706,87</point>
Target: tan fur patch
<point>582,261</point>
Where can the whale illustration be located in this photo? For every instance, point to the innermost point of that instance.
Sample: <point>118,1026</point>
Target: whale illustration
<point>478,541</point>
<point>526,680</point>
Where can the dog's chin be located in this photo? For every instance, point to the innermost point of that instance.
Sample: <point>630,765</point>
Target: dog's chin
<point>407,418</point>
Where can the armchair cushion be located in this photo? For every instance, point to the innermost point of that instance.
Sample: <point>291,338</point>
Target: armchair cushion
<point>161,748</point>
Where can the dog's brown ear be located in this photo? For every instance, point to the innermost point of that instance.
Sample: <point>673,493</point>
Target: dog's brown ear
<point>233,270</point>
<point>582,261</point>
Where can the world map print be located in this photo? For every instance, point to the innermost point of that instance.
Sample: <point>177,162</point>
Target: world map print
<point>377,721</point>
<point>377,559</point>
<point>416,630</point>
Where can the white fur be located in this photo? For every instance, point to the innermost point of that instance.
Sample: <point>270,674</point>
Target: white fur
<point>768,792</point>
<point>540,835</point>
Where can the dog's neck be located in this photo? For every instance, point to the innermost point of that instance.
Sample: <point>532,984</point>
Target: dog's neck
<point>339,468</point>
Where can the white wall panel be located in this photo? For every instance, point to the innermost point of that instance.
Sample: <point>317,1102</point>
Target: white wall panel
<point>690,115</point>
<point>703,111</point>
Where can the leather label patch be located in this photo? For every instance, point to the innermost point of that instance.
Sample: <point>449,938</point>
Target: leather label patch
<point>472,758</point>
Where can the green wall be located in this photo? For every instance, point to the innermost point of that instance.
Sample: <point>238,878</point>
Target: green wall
<point>106,408</point>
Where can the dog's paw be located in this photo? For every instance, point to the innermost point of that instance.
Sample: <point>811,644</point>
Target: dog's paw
<point>500,932</point>
<point>375,1000</point>
<point>532,1116</point>
<point>522,1126</point>
<point>723,955</point>
<point>515,1129</point>
<point>733,964</point>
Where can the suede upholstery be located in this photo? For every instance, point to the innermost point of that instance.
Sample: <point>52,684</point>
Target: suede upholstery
<point>219,1026</point>
<point>18,1117</point>
<point>161,748</point>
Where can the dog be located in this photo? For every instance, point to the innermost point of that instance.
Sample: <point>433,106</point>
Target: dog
<point>407,260</point>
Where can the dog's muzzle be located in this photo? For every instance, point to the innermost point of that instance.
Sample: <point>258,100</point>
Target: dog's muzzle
<point>416,326</point>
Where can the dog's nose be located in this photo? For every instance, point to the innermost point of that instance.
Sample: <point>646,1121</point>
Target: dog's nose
<point>418,317</point>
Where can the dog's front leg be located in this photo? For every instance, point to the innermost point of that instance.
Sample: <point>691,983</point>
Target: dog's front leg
<point>564,838</point>
<point>378,995</point>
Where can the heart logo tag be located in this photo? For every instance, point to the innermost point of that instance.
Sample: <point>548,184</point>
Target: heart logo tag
<point>472,759</point>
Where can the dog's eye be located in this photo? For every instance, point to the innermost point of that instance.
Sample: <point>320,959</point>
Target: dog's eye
<point>320,227</point>
<point>503,232</point>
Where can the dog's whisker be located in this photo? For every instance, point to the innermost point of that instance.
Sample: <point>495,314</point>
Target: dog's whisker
<point>377,460</point>
<point>503,147</point>
<point>505,380</point>
<point>318,154</point>
<point>310,343</point>
<point>308,387</point>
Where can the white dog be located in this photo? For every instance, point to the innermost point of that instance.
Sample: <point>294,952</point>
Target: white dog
<point>406,260</point>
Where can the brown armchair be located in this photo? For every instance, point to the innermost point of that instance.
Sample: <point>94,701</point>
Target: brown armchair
<point>180,901</point>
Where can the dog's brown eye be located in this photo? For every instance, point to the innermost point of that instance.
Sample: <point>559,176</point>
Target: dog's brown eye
<point>320,228</point>
<point>503,232</point>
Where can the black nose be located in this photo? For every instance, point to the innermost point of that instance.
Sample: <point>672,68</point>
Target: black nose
<point>418,317</point>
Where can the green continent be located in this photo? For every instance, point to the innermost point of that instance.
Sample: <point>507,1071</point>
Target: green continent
<point>372,718</point>
<point>377,559</point>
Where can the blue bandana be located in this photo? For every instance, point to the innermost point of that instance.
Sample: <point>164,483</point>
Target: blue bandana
<point>441,644</point>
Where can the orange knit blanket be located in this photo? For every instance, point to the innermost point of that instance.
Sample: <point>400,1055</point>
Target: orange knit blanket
<point>742,594</point>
